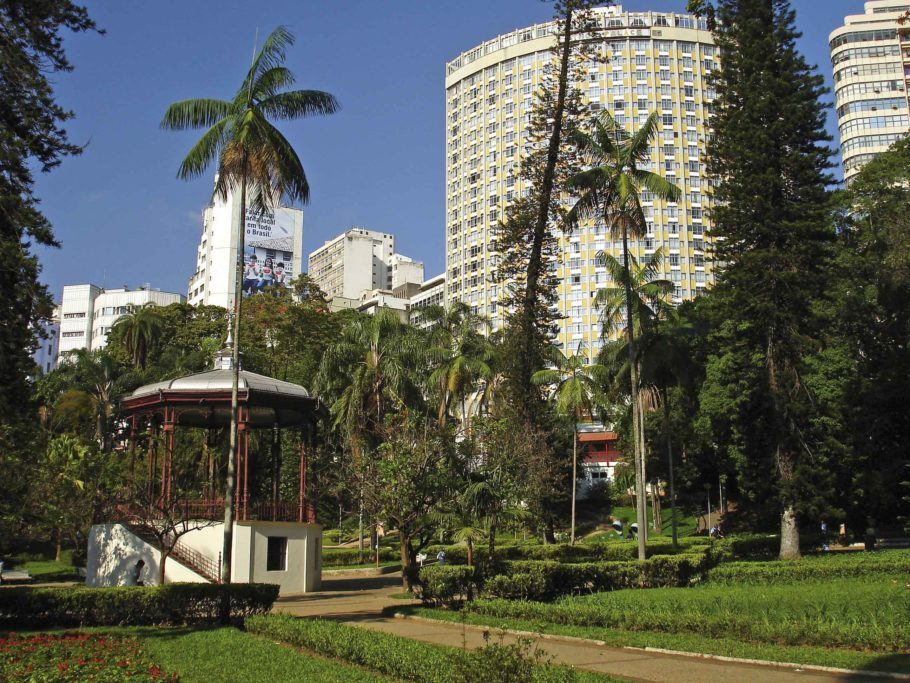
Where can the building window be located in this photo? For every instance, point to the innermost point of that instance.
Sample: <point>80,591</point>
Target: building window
<point>277,555</point>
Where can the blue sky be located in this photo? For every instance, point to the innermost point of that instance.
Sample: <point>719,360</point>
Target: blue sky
<point>124,218</point>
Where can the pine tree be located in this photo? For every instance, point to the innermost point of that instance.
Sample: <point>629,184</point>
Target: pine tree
<point>769,161</point>
<point>527,239</point>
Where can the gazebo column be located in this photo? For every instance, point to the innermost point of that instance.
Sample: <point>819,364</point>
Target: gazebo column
<point>304,510</point>
<point>152,457</point>
<point>132,450</point>
<point>276,469</point>
<point>170,417</point>
<point>243,461</point>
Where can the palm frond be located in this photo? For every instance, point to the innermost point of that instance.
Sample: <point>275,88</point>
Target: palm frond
<point>299,103</point>
<point>195,113</point>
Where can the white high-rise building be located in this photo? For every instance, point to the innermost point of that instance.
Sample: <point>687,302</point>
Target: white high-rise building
<point>87,313</point>
<point>355,261</point>
<point>871,61</point>
<point>273,247</point>
<point>406,271</point>
<point>45,356</point>
<point>654,61</point>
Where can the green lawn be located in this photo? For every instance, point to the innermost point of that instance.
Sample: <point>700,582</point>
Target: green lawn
<point>685,524</point>
<point>47,571</point>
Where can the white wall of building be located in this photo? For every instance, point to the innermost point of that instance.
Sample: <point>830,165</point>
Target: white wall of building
<point>77,306</point>
<point>355,261</point>
<point>212,284</point>
<point>405,270</point>
<point>45,356</point>
<point>113,551</point>
<point>87,313</point>
<point>113,304</point>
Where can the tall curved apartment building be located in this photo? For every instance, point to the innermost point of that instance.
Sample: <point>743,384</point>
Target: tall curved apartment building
<point>657,62</point>
<point>871,63</point>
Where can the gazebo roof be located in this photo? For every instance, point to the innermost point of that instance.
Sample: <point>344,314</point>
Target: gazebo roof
<point>218,381</point>
<point>204,400</point>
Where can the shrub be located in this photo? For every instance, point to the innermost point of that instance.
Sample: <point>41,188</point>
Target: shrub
<point>174,603</point>
<point>821,567</point>
<point>445,585</point>
<point>352,556</point>
<point>546,580</point>
<point>403,658</point>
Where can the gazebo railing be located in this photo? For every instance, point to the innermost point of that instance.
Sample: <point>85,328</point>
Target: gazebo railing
<point>212,509</point>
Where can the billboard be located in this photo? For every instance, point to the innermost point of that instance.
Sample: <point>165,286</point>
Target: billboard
<point>268,259</point>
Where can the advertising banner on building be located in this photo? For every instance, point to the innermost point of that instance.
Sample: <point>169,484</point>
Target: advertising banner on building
<point>269,253</point>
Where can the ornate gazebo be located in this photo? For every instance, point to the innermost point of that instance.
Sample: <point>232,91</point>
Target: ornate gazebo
<point>276,539</point>
<point>203,401</point>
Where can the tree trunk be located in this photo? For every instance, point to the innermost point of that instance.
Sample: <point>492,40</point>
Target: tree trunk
<point>470,553</point>
<point>643,459</point>
<point>640,513</point>
<point>657,522</point>
<point>405,553</point>
<point>789,533</point>
<point>58,555</point>
<point>492,540</point>
<point>228,541</point>
<point>574,478</point>
<point>670,465</point>
<point>165,553</point>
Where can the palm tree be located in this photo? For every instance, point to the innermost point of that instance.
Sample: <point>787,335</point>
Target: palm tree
<point>610,190</point>
<point>368,370</point>
<point>252,156</point>
<point>665,362</point>
<point>140,329</point>
<point>461,356</point>
<point>575,389</point>
<point>99,377</point>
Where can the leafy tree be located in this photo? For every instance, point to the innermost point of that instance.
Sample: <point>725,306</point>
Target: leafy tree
<point>33,139</point>
<point>610,190</point>
<point>100,378</point>
<point>253,157</point>
<point>871,313</point>
<point>773,240</point>
<point>575,391</point>
<point>416,470</point>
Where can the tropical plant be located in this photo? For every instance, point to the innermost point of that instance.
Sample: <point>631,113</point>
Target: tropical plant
<point>610,190</point>
<point>98,375</point>
<point>140,329</point>
<point>461,357</point>
<point>575,392</point>
<point>366,374</point>
<point>252,157</point>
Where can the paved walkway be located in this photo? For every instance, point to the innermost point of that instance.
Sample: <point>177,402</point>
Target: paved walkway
<point>360,602</point>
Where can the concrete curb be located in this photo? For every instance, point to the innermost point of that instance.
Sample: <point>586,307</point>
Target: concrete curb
<point>676,653</point>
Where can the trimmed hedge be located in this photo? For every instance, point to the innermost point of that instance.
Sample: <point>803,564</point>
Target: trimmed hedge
<point>819,567</point>
<point>406,659</point>
<point>445,585</point>
<point>600,551</point>
<point>545,580</point>
<point>347,557</point>
<point>173,603</point>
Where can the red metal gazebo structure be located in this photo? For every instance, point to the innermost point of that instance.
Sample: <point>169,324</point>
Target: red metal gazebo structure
<point>203,400</point>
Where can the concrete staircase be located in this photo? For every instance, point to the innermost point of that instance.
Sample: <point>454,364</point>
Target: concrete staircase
<point>190,558</point>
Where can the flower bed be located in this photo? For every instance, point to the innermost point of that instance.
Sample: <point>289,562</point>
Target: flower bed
<point>76,657</point>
